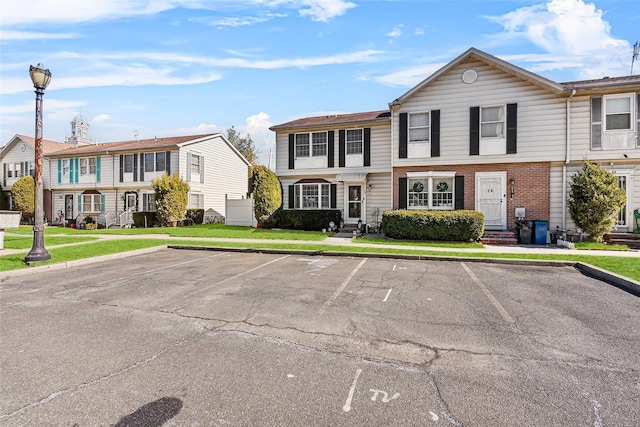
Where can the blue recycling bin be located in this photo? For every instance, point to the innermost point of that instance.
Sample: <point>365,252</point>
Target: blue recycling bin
<point>540,232</point>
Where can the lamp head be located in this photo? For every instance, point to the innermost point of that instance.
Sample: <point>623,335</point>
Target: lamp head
<point>40,76</point>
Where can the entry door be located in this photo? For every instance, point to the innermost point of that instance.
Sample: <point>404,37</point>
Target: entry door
<point>490,199</point>
<point>622,222</point>
<point>68,206</point>
<point>354,203</point>
<point>130,202</point>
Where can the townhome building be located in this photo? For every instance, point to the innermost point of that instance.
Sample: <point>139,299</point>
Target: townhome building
<point>484,134</point>
<point>109,181</point>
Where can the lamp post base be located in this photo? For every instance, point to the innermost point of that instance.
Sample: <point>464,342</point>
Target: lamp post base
<point>37,252</point>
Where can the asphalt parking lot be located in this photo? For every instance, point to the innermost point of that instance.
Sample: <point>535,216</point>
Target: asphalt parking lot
<point>210,338</point>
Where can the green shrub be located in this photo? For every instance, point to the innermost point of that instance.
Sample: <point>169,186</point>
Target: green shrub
<point>595,200</point>
<point>195,215</point>
<point>172,198</point>
<point>23,196</point>
<point>308,220</point>
<point>139,219</point>
<point>267,195</point>
<point>456,226</point>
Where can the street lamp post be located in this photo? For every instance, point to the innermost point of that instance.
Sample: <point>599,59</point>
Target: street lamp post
<point>40,78</point>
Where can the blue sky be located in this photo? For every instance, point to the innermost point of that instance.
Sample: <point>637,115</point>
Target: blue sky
<point>177,67</point>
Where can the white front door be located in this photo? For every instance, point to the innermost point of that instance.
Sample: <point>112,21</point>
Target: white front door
<point>624,222</point>
<point>130,202</point>
<point>491,199</point>
<point>354,203</point>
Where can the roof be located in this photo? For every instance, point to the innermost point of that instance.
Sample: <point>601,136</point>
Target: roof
<point>336,119</point>
<point>604,82</point>
<point>135,144</point>
<point>48,146</point>
<point>491,60</point>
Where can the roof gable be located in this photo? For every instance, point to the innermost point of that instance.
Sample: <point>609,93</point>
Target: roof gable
<point>334,120</point>
<point>490,60</point>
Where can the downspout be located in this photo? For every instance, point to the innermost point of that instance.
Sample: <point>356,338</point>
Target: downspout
<point>566,162</point>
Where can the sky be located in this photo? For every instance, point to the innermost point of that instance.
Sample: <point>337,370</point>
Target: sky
<point>158,68</point>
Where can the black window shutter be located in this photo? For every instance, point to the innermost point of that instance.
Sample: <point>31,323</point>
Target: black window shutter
<point>474,131</point>
<point>512,128</point>
<point>402,193</point>
<point>402,135</point>
<point>167,159</point>
<point>334,196</point>
<point>367,146</point>
<point>292,151</point>
<point>459,193</point>
<point>142,166</point>
<point>135,167</point>
<point>292,197</point>
<point>331,146</point>
<point>342,148</point>
<point>121,168</point>
<point>435,133</point>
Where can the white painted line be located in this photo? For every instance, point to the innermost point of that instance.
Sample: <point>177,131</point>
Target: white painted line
<point>387,297</point>
<point>394,267</point>
<point>341,288</point>
<point>352,390</point>
<point>494,301</point>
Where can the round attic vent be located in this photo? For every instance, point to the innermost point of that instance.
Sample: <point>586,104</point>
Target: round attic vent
<point>469,76</point>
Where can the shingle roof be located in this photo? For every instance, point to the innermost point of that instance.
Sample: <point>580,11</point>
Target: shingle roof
<point>135,144</point>
<point>603,82</point>
<point>336,119</point>
<point>48,146</point>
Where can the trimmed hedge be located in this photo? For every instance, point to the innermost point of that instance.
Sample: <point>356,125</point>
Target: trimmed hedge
<point>138,219</point>
<point>455,226</point>
<point>308,220</point>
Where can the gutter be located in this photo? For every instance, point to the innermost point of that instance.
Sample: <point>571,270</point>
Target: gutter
<point>567,159</point>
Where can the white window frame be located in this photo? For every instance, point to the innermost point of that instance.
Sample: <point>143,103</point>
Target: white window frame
<point>415,128</point>
<point>630,113</point>
<point>354,139</point>
<point>305,194</point>
<point>155,162</point>
<point>87,165</point>
<point>430,193</point>
<point>311,144</point>
<point>124,160</point>
<point>65,167</point>
<point>196,201</point>
<point>195,164</point>
<point>494,142</point>
<point>149,202</point>
<point>94,201</point>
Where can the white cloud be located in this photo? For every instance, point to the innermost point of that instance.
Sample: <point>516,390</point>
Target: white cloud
<point>258,126</point>
<point>7,35</point>
<point>409,76</point>
<point>571,31</point>
<point>101,118</point>
<point>395,33</point>
<point>323,10</point>
<point>418,32</point>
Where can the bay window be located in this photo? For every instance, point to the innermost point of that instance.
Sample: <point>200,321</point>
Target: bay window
<point>433,191</point>
<point>312,196</point>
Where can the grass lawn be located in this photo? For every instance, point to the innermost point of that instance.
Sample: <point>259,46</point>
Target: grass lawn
<point>25,241</point>
<point>624,266</point>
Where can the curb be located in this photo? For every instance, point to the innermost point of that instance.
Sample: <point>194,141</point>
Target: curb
<point>616,280</point>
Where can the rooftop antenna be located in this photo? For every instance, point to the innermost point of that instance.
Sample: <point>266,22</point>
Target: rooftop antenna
<point>634,56</point>
<point>136,134</point>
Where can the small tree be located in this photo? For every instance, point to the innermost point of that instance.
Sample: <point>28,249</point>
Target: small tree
<point>172,198</point>
<point>267,195</point>
<point>595,200</point>
<point>23,196</point>
<point>244,145</point>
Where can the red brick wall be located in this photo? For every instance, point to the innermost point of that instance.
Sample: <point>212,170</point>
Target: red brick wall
<point>531,189</point>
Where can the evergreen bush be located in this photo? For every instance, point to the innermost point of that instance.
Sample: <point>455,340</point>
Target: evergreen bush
<point>308,220</point>
<point>267,195</point>
<point>456,226</point>
<point>23,196</point>
<point>172,198</point>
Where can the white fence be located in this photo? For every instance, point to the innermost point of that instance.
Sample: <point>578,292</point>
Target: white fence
<point>239,212</point>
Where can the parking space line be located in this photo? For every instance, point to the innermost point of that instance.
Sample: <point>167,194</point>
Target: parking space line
<point>507,318</point>
<point>342,286</point>
<point>347,405</point>
<point>387,297</point>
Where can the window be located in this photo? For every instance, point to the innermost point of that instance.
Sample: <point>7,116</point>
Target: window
<point>91,203</point>
<point>312,196</point>
<point>17,167</point>
<point>65,166</point>
<point>196,201</point>
<point>87,165</point>
<point>419,128</point>
<point>312,144</point>
<point>431,192</point>
<point>128,163</point>
<point>618,112</point>
<point>195,164</point>
<point>155,162</point>
<point>319,141</point>
<point>354,141</point>
<point>149,202</point>
<point>492,122</point>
